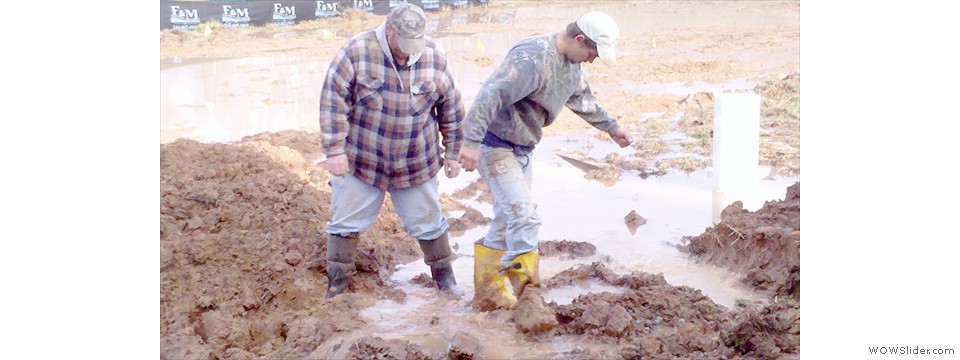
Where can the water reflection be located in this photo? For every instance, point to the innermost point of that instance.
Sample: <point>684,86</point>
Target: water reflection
<point>228,99</point>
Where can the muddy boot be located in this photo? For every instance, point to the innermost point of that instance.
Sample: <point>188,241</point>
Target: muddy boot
<point>524,271</point>
<point>341,258</point>
<point>490,284</point>
<point>437,254</point>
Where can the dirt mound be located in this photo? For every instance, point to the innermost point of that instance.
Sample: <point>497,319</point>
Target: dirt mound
<point>471,217</point>
<point>566,248</point>
<point>372,347</point>
<point>532,316</point>
<point>663,320</point>
<point>424,280</point>
<point>306,143</point>
<point>655,320</point>
<point>478,190</point>
<point>764,245</point>
<point>462,347</point>
<point>768,333</point>
<point>634,221</point>
<point>242,244</point>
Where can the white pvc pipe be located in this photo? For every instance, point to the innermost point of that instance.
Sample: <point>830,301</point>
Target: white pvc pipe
<point>736,148</point>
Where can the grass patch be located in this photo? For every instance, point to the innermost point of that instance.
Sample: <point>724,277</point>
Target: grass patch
<point>686,164</point>
<point>650,148</point>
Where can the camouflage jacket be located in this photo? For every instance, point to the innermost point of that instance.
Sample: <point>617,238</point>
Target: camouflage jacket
<point>527,92</point>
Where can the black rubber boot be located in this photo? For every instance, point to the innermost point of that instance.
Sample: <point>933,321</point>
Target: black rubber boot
<point>437,254</point>
<point>341,258</point>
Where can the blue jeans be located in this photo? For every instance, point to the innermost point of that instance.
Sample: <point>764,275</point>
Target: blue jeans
<point>356,204</point>
<point>515,224</point>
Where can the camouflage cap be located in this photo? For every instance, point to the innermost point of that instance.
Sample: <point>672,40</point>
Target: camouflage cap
<point>408,21</point>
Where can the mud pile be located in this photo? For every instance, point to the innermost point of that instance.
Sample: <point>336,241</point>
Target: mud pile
<point>655,320</point>
<point>566,249</point>
<point>242,243</point>
<point>764,245</point>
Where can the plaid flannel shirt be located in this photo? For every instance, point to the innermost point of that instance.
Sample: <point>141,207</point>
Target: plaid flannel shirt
<point>387,119</point>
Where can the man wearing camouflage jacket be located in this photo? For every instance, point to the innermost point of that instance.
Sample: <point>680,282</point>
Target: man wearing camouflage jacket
<point>539,76</point>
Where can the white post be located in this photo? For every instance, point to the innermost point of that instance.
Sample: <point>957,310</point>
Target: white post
<point>736,148</point>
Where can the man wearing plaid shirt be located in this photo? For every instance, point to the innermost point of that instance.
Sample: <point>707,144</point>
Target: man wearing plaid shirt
<point>387,96</point>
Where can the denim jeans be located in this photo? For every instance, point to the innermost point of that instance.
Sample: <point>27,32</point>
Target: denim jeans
<point>356,204</point>
<point>515,224</point>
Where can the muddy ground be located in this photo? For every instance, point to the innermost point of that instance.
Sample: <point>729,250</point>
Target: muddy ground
<point>242,236</point>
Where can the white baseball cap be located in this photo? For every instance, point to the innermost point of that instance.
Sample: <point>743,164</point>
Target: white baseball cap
<point>603,30</point>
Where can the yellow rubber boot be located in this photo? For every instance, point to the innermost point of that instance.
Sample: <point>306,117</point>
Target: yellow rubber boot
<point>524,271</point>
<point>490,288</point>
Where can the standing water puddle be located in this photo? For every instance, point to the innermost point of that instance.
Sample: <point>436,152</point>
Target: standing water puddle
<point>226,100</point>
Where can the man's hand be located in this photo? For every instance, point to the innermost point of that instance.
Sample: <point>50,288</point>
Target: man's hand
<point>622,137</point>
<point>451,168</point>
<point>337,165</point>
<point>469,158</point>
